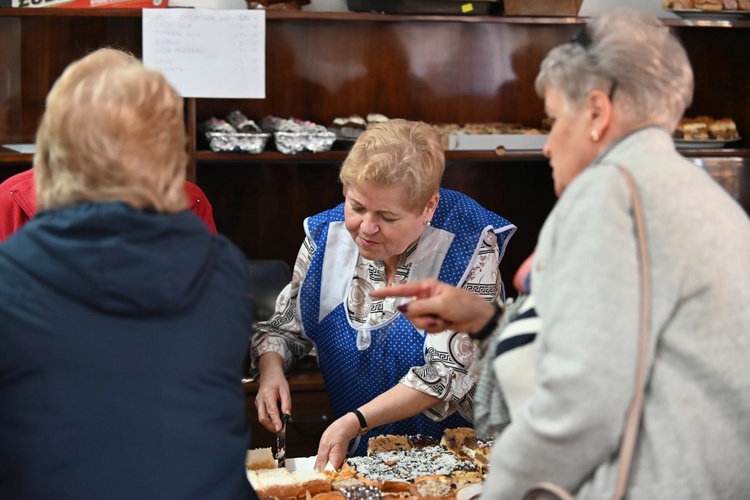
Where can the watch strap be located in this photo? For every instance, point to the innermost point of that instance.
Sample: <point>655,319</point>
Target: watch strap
<point>362,422</point>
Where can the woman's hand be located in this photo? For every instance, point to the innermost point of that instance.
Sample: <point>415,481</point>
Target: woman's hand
<point>273,393</point>
<point>335,441</point>
<point>437,306</point>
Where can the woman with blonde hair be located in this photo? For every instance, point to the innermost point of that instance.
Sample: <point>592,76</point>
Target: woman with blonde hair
<point>616,93</point>
<point>110,384</point>
<point>396,225</point>
<point>18,200</point>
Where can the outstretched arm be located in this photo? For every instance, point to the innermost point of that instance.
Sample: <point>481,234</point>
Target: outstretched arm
<point>395,404</point>
<point>437,306</point>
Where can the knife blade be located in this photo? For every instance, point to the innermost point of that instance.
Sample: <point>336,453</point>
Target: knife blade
<point>281,441</point>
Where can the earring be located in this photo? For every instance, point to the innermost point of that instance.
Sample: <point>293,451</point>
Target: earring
<point>594,136</point>
<point>428,223</point>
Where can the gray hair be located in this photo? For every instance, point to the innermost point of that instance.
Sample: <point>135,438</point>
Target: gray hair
<point>635,52</point>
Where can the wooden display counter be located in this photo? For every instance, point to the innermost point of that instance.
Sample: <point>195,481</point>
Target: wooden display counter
<point>311,415</point>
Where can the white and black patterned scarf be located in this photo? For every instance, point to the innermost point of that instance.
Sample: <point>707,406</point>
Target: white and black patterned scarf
<point>506,356</point>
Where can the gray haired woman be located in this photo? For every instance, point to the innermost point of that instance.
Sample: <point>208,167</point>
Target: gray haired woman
<point>615,93</point>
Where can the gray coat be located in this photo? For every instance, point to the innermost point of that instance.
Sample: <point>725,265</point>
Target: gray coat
<point>695,435</point>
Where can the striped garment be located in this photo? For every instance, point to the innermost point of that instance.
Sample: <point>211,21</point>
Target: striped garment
<point>507,374</point>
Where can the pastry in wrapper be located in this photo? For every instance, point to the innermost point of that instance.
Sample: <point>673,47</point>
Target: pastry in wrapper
<point>236,142</point>
<point>223,136</point>
<point>214,124</point>
<point>294,136</point>
<point>242,123</point>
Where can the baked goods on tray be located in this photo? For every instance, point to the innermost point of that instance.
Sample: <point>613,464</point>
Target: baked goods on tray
<point>282,483</point>
<point>395,467</point>
<point>704,128</point>
<point>350,127</point>
<point>445,130</point>
<point>707,5</point>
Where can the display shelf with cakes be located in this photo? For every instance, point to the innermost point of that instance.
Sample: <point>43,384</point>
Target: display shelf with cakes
<point>324,67</point>
<point>708,9</point>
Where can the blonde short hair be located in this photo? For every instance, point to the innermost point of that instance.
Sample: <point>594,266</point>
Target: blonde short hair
<point>113,130</point>
<point>397,152</point>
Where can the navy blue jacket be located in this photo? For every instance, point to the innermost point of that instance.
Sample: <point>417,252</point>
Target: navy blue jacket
<point>122,335</point>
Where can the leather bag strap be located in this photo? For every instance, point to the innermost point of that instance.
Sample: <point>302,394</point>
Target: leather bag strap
<point>633,422</point>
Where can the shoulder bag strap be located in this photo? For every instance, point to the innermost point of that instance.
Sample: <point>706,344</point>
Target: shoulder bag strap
<point>630,435</point>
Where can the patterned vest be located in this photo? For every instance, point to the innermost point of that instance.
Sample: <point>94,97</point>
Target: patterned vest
<point>355,374</point>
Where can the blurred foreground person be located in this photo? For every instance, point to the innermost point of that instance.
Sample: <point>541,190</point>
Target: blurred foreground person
<point>123,322</point>
<point>616,92</point>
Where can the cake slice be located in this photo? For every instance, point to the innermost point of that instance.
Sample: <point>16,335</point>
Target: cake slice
<point>388,442</point>
<point>710,5</point>
<point>283,484</point>
<point>692,129</point>
<point>724,129</point>
<point>453,440</point>
<point>679,4</point>
<point>260,458</point>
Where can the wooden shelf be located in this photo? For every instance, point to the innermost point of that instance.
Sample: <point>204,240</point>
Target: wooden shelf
<point>58,12</point>
<point>335,156</point>
<point>323,65</point>
<point>371,17</point>
<point>339,156</point>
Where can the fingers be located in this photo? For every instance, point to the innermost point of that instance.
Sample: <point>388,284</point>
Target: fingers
<point>334,452</point>
<point>285,400</point>
<point>420,289</point>
<point>405,290</point>
<point>271,403</point>
<point>334,442</point>
<point>321,460</point>
<point>263,416</point>
<point>336,457</point>
<point>268,412</point>
<point>428,323</point>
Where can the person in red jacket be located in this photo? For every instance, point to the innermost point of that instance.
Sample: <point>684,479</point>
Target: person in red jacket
<point>18,203</point>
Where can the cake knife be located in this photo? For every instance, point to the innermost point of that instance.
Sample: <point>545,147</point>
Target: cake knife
<point>281,441</point>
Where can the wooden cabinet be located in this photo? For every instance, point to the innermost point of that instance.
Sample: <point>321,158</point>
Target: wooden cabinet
<point>311,415</point>
<point>324,65</point>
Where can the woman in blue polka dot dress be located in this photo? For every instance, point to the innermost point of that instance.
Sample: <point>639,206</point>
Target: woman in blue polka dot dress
<point>396,225</point>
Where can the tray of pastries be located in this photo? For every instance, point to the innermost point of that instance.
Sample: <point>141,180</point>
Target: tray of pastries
<point>705,132</point>
<point>490,136</point>
<point>395,467</point>
<point>708,9</point>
